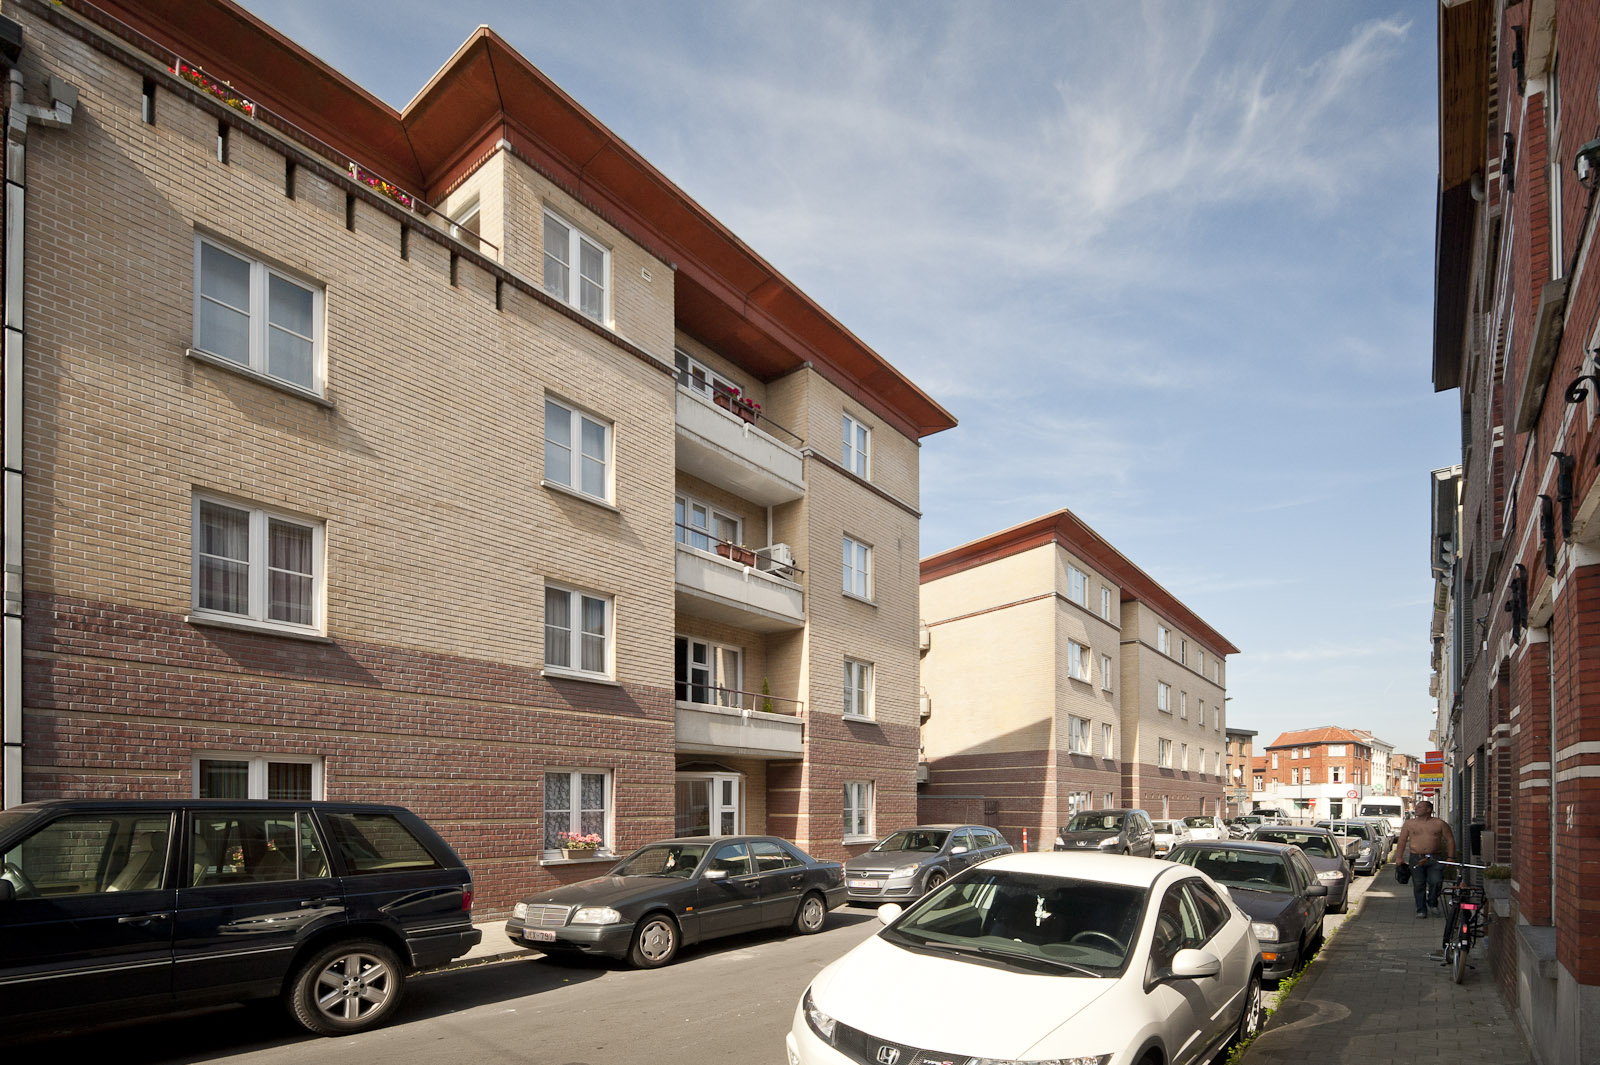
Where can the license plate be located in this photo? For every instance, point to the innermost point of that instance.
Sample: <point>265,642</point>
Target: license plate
<point>862,884</point>
<point>539,935</point>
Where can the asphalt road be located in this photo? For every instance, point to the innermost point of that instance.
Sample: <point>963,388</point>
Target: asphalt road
<point>731,1001</point>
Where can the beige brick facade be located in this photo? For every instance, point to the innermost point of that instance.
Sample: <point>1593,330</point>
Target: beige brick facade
<point>420,463</point>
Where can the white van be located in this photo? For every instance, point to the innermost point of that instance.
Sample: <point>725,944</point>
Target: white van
<point>1389,807</point>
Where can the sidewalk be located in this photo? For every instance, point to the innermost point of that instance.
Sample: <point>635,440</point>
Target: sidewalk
<point>494,946</point>
<point>1374,994</point>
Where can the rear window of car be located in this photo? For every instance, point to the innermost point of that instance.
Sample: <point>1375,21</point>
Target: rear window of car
<point>1256,870</point>
<point>376,843</point>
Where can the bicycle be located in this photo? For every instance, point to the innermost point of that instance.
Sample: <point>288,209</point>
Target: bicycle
<point>1466,919</point>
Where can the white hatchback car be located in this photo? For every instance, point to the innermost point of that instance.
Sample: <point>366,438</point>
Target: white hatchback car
<point>1048,957</point>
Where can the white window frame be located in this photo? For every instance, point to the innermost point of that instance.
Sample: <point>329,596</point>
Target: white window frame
<point>1107,741</point>
<point>1183,652</point>
<point>1183,705</point>
<point>1164,640</point>
<point>1077,585</point>
<point>260,575</point>
<point>575,633</point>
<point>1200,714</point>
<point>1105,672</point>
<point>859,686</point>
<point>857,453</point>
<point>575,815</point>
<point>1164,754</point>
<point>686,532</point>
<point>1184,748</point>
<point>1078,739</point>
<point>577,417</point>
<point>1274,759</point>
<point>258,313</point>
<point>256,785</point>
<point>1216,672</point>
<point>699,378</point>
<point>857,558</point>
<point>859,799</point>
<point>1295,775</point>
<point>1077,660</point>
<point>1164,697</point>
<point>1336,774</point>
<point>466,223</point>
<point>1105,603</point>
<point>1337,750</point>
<point>571,295</point>
<point>723,691</point>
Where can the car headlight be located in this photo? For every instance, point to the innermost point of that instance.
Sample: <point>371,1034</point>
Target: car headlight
<point>905,871</point>
<point>1107,844</point>
<point>1267,933</point>
<point>1090,1059</point>
<point>596,915</point>
<point>520,911</point>
<point>1330,874</point>
<point>820,1022</point>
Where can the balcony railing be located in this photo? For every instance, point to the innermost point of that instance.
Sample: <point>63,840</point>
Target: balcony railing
<point>734,402</point>
<point>760,559</point>
<point>733,699</point>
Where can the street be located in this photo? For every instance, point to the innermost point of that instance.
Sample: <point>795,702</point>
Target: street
<point>728,1001</point>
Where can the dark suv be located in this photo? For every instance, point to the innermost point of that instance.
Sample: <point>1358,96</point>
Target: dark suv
<point>145,905</point>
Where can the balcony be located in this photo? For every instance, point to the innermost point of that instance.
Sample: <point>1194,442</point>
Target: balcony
<point>748,590</point>
<point>738,724</point>
<point>733,452</point>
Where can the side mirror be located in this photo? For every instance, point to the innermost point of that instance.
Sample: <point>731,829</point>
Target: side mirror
<point>888,912</point>
<point>714,874</point>
<point>1316,891</point>
<point>958,849</point>
<point>1193,964</point>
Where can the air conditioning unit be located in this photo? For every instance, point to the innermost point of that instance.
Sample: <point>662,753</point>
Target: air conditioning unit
<point>927,705</point>
<point>776,559</point>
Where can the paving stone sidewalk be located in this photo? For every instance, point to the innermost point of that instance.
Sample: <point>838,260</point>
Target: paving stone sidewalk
<point>1378,994</point>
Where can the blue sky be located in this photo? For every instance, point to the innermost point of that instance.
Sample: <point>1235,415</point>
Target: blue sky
<point>1169,264</point>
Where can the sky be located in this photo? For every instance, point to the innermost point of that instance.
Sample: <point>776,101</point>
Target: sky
<point>1168,263</point>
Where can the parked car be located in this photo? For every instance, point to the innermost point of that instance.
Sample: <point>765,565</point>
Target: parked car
<point>677,892</point>
<point>907,863</point>
<point>1240,826</point>
<point>1116,831</point>
<point>1391,808</point>
<point>1167,832</point>
<point>1042,957</point>
<point>1271,815</point>
<point>1275,884</point>
<point>1374,844</point>
<point>1327,853</point>
<point>141,906</point>
<point>1388,832</point>
<point>1204,826</point>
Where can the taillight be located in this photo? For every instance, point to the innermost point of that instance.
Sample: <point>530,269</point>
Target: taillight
<point>466,898</point>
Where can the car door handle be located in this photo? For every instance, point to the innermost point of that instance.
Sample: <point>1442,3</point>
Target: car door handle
<point>143,918</point>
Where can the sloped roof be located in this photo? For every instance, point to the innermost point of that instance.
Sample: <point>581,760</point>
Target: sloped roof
<point>1313,736</point>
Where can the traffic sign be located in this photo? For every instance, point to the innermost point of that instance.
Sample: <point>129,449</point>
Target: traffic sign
<point>1352,794</point>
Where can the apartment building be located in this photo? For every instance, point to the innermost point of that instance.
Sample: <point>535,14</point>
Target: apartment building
<point>1062,677</point>
<point>450,456</point>
<point>1320,772</point>
<point>1238,761</point>
<point>1516,330</point>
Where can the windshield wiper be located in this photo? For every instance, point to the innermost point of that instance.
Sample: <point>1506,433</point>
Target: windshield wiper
<point>1009,955</point>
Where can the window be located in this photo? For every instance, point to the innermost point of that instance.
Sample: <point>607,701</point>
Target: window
<point>257,566</point>
<point>577,632</point>
<point>857,809</point>
<point>857,688</point>
<point>1200,662</point>
<point>1077,660</point>
<point>577,450</point>
<point>696,375</point>
<point>1216,672</point>
<point>1183,651</point>
<point>1296,777</point>
<point>1164,697</point>
<point>1219,764</point>
<point>1105,603</point>
<point>576,802</point>
<point>1294,752</point>
<point>702,526</point>
<point>1260,783</point>
<point>91,854</point>
<point>1200,714</point>
<point>710,674</point>
<point>1164,754</point>
<point>857,448</point>
<point>568,252</point>
<point>1110,801</point>
<point>857,568</point>
<point>1184,751</point>
<point>709,804</point>
<point>1183,705</point>
<point>465,224</point>
<point>1336,750</point>
<point>259,846</point>
<point>1077,735</point>
<point>1305,752</point>
<point>1105,742</point>
<point>243,776</point>
<point>1077,586</point>
<point>1163,639</point>
<point>1336,774</point>
<point>1105,672</point>
<point>260,318</point>
<point>1274,760</point>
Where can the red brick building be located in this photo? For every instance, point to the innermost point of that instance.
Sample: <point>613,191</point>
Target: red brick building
<point>1517,555</point>
<point>1313,772</point>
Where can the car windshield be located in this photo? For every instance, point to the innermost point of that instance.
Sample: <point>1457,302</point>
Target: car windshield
<point>922,840</point>
<point>662,859</point>
<point>1200,822</point>
<point>1166,826</point>
<point>1256,870</point>
<point>1346,828</point>
<point>1096,822</point>
<point>1378,811</point>
<point>1311,843</point>
<point>1027,921</point>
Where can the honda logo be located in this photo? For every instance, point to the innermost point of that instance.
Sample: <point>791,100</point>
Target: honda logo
<point>888,1055</point>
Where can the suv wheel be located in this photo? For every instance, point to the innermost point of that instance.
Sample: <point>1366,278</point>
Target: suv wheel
<point>347,987</point>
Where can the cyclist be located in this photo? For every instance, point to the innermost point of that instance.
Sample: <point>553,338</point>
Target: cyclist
<point>1428,839</point>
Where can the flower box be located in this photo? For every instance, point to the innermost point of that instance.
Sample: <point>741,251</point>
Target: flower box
<point>742,555</point>
<point>572,853</point>
<point>212,87</point>
<point>389,189</point>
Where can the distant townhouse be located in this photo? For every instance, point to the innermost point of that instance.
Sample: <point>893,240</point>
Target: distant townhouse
<point>1238,761</point>
<point>1061,677</point>
<point>1321,772</point>
<point>450,456</point>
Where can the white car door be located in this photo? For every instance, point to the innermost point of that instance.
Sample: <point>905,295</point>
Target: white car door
<point>1183,1006</point>
<point>1227,935</point>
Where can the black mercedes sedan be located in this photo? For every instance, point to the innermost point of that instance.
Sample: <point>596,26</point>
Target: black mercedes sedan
<point>680,891</point>
<point>1275,884</point>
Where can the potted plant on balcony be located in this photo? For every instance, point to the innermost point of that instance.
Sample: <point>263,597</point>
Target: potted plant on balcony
<point>579,844</point>
<point>739,553</point>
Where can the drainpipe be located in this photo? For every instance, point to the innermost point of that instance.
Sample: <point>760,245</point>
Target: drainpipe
<point>63,98</point>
